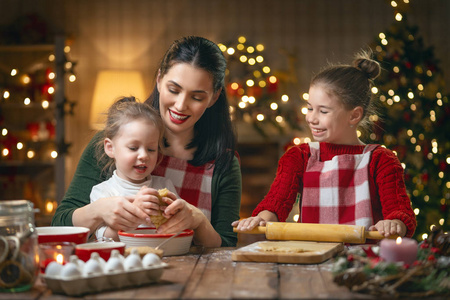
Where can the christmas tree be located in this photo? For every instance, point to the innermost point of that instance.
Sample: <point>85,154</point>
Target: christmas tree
<point>413,122</point>
<point>257,94</point>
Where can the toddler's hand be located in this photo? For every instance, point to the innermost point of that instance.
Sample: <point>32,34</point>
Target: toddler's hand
<point>147,199</point>
<point>390,227</point>
<point>248,223</point>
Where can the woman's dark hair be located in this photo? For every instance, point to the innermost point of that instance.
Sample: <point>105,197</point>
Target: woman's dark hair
<point>214,134</point>
<point>352,84</point>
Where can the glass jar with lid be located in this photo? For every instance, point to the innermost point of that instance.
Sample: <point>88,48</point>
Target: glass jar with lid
<point>19,256</point>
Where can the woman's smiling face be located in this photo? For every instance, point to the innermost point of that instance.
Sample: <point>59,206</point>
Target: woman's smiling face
<point>185,92</point>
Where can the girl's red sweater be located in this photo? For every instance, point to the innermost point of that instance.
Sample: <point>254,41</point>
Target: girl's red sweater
<point>387,186</point>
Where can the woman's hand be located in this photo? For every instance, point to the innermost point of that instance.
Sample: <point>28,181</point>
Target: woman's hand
<point>390,227</point>
<point>118,213</point>
<point>181,215</point>
<point>248,223</point>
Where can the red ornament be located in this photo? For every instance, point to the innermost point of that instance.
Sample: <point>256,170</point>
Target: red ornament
<point>254,91</point>
<point>33,130</point>
<point>51,129</point>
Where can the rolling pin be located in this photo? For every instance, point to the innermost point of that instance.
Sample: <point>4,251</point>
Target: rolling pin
<point>353,234</point>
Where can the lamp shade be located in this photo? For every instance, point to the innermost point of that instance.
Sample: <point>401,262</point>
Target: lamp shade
<point>109,86</point>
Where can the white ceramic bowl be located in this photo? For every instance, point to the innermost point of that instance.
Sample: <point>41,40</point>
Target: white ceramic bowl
<point>147,237</point>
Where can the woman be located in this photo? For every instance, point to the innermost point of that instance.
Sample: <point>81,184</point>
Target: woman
<point>199,154</point>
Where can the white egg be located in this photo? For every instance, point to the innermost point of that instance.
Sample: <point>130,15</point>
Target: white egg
<point>133,261</point>
<point>114,263</point>
<point>70,271</point>
<point>53,269</point>
<point>77,261</point>
<point>150,259</point>
<point>92,267</point>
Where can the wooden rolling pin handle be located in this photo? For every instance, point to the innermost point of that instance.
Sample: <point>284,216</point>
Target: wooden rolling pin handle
<point>376,235</point>
<point>256,230</point>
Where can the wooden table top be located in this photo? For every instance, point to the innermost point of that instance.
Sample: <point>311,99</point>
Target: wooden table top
<point>209,273</point>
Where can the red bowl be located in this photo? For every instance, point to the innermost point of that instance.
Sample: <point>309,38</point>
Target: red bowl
<point>48,234</point>
<point>84,251</point>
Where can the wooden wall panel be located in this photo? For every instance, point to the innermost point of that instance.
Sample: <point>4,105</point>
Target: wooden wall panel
<point>133,34</point>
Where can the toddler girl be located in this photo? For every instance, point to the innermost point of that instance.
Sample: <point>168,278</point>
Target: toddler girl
<point>131,146</point>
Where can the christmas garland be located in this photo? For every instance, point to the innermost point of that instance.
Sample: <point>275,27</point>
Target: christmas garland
<point>363,271</point>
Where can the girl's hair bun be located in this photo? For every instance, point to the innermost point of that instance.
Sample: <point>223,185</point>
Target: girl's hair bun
<point>367,65</point>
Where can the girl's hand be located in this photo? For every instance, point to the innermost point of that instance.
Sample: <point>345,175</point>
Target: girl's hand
<point>390,227</point>
<point>248,223</point>
<point>147,200</point>
<point>181,215</point>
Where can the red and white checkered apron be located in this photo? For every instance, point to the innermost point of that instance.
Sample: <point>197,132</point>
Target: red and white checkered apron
<point>337,191</point>
<point>192,183</point>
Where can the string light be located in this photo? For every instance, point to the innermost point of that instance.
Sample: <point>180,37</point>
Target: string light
<point>240,47</point>
<point>4,131</point>
<point>27,101</point>
<point>6,94</point>
<point>250,49</point>
<point>305,96</point>
<point>285,98</point>
<point>398,17</point>
<point>30,154</point>
<point>230,51</point>
<point>279,119</point>
<point>260,117</point>
<point>273,106</point>
<point>19,146</point>
<point>13,72</point>
<point>304,110</point>
<point>54,154</point>
<point>45,104</point>
<point>296,141</point>
<point>5,152</point>
<point>26,79</point>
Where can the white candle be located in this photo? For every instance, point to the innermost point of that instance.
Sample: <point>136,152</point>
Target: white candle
<point>399,250</point>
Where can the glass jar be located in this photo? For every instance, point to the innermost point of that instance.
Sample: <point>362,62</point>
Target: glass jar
<point>19,256</point>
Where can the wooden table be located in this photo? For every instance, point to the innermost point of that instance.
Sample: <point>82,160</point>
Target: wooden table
<point>209,273</point>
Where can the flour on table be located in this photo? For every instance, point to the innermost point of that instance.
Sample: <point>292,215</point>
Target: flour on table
<point>286,247</point>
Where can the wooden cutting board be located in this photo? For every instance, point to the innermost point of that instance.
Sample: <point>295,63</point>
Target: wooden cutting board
<point>293,252</point>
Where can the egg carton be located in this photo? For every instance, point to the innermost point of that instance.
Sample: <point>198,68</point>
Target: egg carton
<point>77,278</point>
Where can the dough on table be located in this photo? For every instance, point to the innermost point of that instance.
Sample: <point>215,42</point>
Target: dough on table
<point>285,247</point>
<point>142,250</point>
<point>160,219</point>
